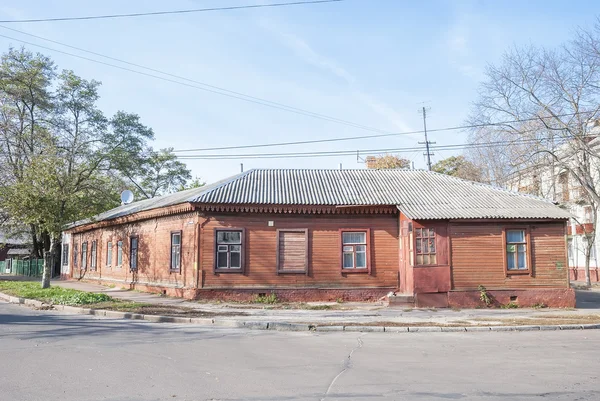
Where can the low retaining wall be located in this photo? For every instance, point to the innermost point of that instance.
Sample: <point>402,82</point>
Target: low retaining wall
<point>550,297</point>
<point>578,274</point>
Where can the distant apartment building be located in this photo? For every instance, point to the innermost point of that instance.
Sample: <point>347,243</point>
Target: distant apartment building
<point>550,180</point>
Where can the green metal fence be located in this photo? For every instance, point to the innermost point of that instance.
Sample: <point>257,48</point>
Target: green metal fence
<point>27,267</point>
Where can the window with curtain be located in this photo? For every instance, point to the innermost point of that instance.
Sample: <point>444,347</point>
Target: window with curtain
<point>354,250</point>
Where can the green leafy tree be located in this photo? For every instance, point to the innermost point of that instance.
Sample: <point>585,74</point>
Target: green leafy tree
<point>25,104</point>
<point>386,162</point>
<point>64,159</point>
<point>458,166</point>
<point>156,173</point>
<point>196,182</point>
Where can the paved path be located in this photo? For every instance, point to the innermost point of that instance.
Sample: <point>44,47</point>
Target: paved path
<point>46,356</point>
<point>356,312</point>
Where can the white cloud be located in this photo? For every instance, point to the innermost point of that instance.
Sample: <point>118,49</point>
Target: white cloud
<point>458,48</point>
<point>308,54</point>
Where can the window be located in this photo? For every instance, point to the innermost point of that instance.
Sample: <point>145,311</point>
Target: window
<point>355,251</point>
<point>133,253</point>
<point>563,181</point>
<point>176,251</point>
<point>65,255</point>
<point>517,259</point>
<point>587,212</point>
<point>229,257</point>
<point>119,253</point>
<point>93,255</point>
<point>425,245</point>
<point>84,256</point>
<point>570,248</point>
<point>292,251</point>
<point>75,255</point>
<point>585,244</point>
<point>109,254</point>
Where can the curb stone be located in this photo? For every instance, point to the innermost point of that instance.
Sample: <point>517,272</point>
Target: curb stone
<point>424,329</point>
<point>329,328</point>
<point>283,326</point>
<point>477,328</point>
<point>365,329</point>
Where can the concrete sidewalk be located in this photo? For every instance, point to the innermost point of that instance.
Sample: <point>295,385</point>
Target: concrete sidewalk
<point>352,313</point>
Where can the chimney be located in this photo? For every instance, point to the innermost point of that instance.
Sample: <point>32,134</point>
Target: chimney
<point>370,161</point>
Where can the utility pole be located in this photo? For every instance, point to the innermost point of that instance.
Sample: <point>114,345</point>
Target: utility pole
<point>427,142</point>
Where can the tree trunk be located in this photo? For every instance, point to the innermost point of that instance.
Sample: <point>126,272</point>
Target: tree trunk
<point>34,242</point>
<point>588,280</point>
<point>49,258</point>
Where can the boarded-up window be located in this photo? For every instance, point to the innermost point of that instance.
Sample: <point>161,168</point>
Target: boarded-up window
<point>292,251</point>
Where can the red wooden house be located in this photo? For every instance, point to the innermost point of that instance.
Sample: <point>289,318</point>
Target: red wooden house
<point>333,234</point>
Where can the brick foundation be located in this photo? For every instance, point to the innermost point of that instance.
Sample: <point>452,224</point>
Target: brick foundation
<point>243,295</point>
<point>552,297</point>
<point>187,293</point>
<point>297,295</point>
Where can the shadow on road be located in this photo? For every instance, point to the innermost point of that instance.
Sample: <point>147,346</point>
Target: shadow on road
<point>588,299</point>
<point>56,326</point>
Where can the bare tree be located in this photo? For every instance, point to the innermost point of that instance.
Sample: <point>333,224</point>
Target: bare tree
<point>551,99</point>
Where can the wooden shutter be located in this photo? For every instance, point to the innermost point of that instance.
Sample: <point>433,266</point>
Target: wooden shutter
<point>292,253</point>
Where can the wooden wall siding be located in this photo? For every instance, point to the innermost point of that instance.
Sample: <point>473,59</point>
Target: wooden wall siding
<point>324,253</point>
<point>478,251</point>
<point>154,251</point>
<point>405,272</point>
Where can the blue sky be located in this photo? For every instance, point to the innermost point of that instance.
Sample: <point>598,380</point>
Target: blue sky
<point>371,62</point>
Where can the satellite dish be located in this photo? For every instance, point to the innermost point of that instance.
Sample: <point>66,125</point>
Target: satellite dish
<point>126,197</point>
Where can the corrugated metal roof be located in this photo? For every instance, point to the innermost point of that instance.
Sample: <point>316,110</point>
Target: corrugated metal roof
<point>418,194</point>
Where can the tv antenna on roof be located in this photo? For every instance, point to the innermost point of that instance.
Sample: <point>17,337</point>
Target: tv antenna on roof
<point>126,197</point>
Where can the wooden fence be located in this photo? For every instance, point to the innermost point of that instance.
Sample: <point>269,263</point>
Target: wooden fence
<point>27,267</point>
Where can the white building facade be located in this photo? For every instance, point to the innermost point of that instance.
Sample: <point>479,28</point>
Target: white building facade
<point>554,182</point>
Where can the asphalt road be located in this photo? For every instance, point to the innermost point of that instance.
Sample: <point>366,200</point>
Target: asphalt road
<point>49,356</point>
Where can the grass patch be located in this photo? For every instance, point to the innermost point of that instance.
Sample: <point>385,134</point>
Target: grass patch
<point>266,299</point>
<point>52,295</point>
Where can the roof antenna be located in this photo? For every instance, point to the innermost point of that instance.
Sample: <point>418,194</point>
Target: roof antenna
<point>241,167</point>
<point>340,166</point>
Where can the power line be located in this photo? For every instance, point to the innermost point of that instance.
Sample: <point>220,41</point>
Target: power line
<point>260,101</point>
<point>197,10</point>
<point>353,152</point>
<point>352,138</point>
<point>264,102</point>
<point>203,86</point>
